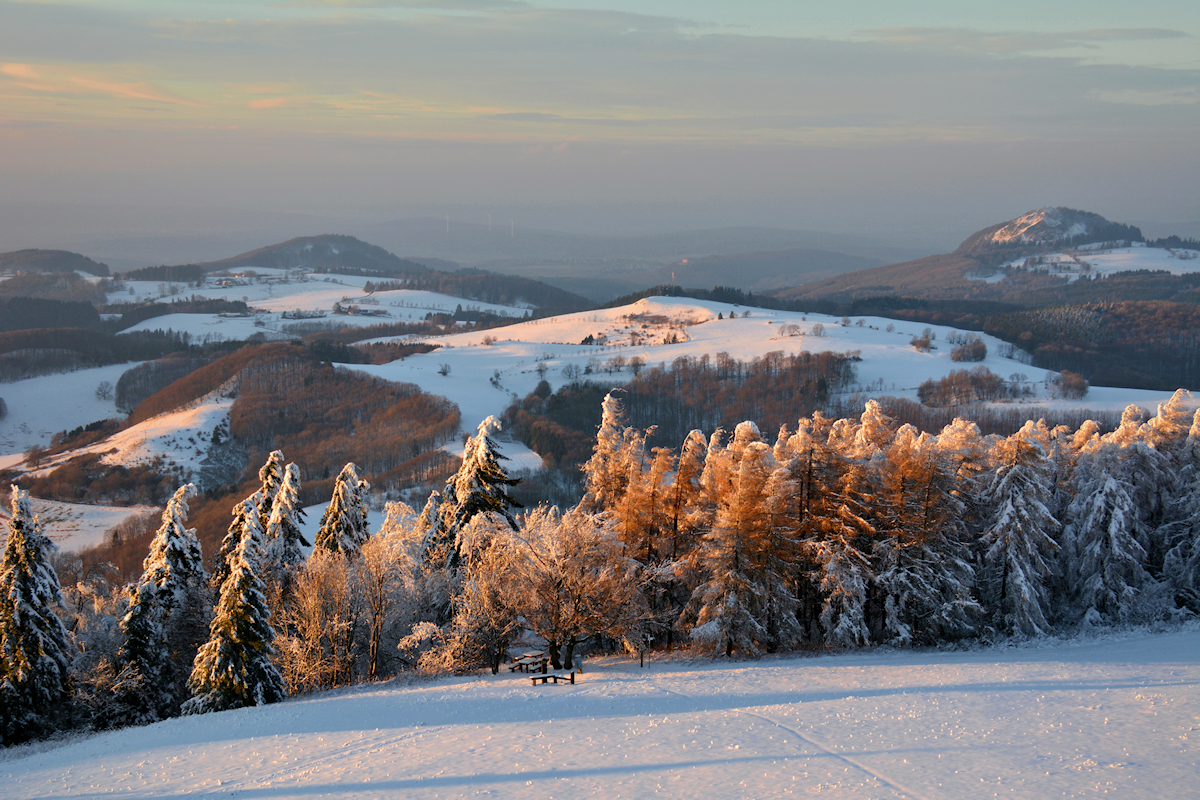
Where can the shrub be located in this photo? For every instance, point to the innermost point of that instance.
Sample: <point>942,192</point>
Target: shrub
<point>973,349</point>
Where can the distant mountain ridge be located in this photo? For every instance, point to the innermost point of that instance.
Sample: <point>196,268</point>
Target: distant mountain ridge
<point>35,260</point>
<point>962,273</point>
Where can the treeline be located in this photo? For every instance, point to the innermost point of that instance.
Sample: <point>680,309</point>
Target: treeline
<point>28,313</point>
<point>487,287</point>
<point>1148,344</point>
<point>691,393</point>
<point>28,353</point>
<point>182,273</point>
<point>65,286</point>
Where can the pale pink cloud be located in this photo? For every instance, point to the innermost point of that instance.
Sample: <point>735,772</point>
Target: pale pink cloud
<point>19,71</point>
<point>272,102</point>
<point>138,91</point>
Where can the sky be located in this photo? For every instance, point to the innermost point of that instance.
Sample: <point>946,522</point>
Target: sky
<point>918,117</point>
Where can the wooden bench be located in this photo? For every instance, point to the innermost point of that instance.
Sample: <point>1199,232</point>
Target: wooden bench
<point>568,678</point>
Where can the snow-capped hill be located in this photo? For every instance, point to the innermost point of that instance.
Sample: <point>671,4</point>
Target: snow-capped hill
<point>1045,227</point>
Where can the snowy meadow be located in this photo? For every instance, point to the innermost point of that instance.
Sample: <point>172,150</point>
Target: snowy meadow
<point>1111,715</point>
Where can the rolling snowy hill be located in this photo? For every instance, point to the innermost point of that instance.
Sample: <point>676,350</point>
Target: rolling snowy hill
<point>1115,716</point>
<point>484,379</point>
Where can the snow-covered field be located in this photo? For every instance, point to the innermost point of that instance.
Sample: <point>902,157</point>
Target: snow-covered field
<point>271,298</point>
<point>74,527</point>
<point>1096,261</point>
<point>40,407</point>
<point>1116,716</point>
<point>485,379</point>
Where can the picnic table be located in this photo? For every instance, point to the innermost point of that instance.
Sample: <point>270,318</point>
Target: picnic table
<point>529,661</point>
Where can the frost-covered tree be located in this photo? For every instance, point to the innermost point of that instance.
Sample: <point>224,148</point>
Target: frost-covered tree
<point>1018,544</point>
<point>235,667</point>
<point>165,622</point>
<point>607,470</point>
<point>845,576</point>
<point>283,552</point>
<point>34,655</point>
<point>479,487</point>
<point>922,564</point>
<point>569,580</point>
<point>743,602</point>
<point>344,523</point>
<point>270,476</point>
<point>232,541</point>
<point>1181,565</point>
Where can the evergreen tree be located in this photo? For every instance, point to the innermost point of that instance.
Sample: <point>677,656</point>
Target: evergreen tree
<point>270,476</point>
<point>1105,572</point>
<point>165,621</point>
<point>232,541</point>
<point>1018,545</point>
<point>845,576</point>
<point>1181,565</point>
<point>283,551</point>
<point>34,660</point>
<point>344,523</point>
<point>235,668</point>
<point>480,486</point>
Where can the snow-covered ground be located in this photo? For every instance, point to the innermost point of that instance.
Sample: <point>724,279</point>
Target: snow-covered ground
<point>74,527</point>
<point>300,292</point>
<point>1116,716</point>
<point>40,407</point>
<point>484,379</point>
<point>1097,261</point>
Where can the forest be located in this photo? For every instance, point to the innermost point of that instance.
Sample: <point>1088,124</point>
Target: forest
<point>837,533</point>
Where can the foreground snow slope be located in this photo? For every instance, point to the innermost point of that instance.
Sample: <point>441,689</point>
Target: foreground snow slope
<point>1115,716</point>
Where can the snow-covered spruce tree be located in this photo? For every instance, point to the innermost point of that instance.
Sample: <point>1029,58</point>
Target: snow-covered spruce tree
<point>232,541</point>
<point>34,660</point>
<point>270,476</point>
<point>1105,576</point>
<point>1181,566</point>
<point>922,564</point>
<point>283,553</point>
<point>234,668</point>
<point>165,623</point>
<point>479,487</point>
<point>1018,545</point>
<point>845,576</point>
<point>344,523</point>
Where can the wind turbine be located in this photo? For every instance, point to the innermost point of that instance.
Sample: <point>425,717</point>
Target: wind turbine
<point>489,223</point>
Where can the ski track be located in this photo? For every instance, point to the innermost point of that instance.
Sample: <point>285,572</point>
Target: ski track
<point>902,790</point>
